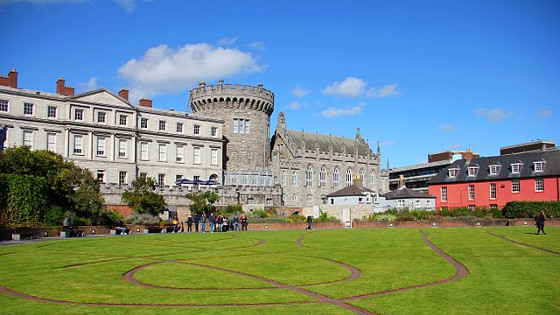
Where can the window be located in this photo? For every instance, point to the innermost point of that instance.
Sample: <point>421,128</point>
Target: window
<point>472,207</point>
<point>28,109</point>
<point>51,112</point>
<point>539,184</point>
<point>515,168</point>
<point>493,206</point>
<point>122,178</point>
<point>323,177</point>
<point>179,127</point>
<point>309,198</point>
<point>101,117</point>
<point>241,125</point>
<point>122,120</point>
<point>400,203</point>
<point>162,152</point>
<point>492,191</point>
<point>101,146</point>
<point>294,178</point>
<point>144,153</point>
<point>78,144</point>
<point>471,192</point>
<point>178,178</point>
<point>196,155</point>
<point>122,148</point>
<point>295,198</point>
<point>538,166</point>
<point>101,176</point>
<point>28,138</point>
<point>161,180</point>
<point>444,194</point>
<point>196,130</point>
<point>144,123</point>
<point>473,170</point>
<point>196,178</point>
<point>349,177</point>
<point>453,172</point>
<point>515,187</point>
<point>162,125</point>
<point>78,114</point>
<point>144,175</point>
<point>284,178</point>
<point>214,156</point>
<point>309,176</point>
<point>372,178</point>
<point>494,169</point>
<point>51,141</point>
<point>179,154</point>
<point>214,131</point>
<point>362,176</point>
<point>336,178</point>
<point>3,105</point>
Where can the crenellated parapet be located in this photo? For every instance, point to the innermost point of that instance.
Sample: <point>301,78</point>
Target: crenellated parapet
<point>228,96</point>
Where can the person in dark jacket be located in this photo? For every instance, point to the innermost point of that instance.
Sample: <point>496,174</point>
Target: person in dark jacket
<point>212,220</point>
<point>235,222</point>
<point>189,223</point>
<point>220,221</point>
<point>540,222</point>
<point>309,220</point>
<point>243,220</point>
<point>196,219</point>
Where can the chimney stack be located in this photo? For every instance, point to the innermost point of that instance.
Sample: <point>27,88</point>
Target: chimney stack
<point>468,155</point>
<point>124,93</point>
<point>146,102</point>
<point>62,89</point>
<point>11,80</point>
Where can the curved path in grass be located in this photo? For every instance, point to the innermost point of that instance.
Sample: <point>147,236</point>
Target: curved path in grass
<point>523,244</point>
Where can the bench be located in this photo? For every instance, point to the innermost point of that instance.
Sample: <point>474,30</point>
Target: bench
<point>23,235</point>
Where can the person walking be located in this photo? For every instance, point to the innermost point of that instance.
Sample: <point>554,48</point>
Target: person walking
<point>309,220</point>
<point>202,222</point>
<point>196,220</point>
<point>235,222</point>
<point>67,225</point>
<point>220,220</point>
<point>540,222</point>
<point>243,220</point>
<point>189,223</point>
<point>212,221</point>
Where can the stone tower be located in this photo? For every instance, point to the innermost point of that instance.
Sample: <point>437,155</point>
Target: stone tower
<point>246,113</point>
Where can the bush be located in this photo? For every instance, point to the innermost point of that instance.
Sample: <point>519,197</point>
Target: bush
<point>530,209</point>
<point>26,200</point>
<point>137,218</point>
<point>54,216</point>
<point>232,209</point>
<point>296,218</point>
<point>324,217</point>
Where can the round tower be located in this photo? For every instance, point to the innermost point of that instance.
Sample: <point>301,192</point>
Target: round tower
<point>246,113</point>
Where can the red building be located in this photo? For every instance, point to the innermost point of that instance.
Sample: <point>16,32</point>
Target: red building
<point>492,182</point>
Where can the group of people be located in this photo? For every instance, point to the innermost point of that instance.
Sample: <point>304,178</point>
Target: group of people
<point>219,223</point>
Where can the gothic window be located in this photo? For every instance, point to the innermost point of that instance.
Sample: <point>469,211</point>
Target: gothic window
<point>284,178</point>
<point>349,177</point>
<point>336,178</point>
<point>309,176</point>
<point>372,179</point>
<point>294,178</point>
<point>323,177</point>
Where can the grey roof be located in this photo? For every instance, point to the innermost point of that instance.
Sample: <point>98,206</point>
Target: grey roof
<point>406,193</point>
<point>352,190</point>
<point>324,142</point>
<point>551,167</point>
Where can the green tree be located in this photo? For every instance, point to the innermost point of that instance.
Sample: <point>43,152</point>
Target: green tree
<point>202,202</point>
<point>142,198</point>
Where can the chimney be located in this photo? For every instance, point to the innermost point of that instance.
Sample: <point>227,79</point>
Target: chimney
<point>468,155</point>
<point>124,93</point>
<point>145,102</point>
<point>11,80</point>
<point>62,89</point>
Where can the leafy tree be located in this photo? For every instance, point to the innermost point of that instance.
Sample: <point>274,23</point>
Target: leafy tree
<point>202,202</point>
<point>142,198</point>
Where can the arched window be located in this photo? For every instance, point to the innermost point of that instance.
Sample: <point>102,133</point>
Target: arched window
<point>362,176</point>
<point>284,178</point>
<point>336,178</point>
<point>349,177</point>
<point>323,177</point>
<point>309,198</point>
<point>294,198</point>
<point>372,180</point>
<point>309,176</point>
<point>294,178</point>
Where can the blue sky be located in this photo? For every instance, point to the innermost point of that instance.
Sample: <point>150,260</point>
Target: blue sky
<point>417,76</point>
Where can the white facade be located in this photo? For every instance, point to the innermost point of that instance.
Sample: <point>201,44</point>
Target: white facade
<point>103,132</point>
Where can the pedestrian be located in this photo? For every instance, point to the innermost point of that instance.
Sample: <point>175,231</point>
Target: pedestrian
<point>196,220</point>
<point>212,221</point>
<point>189,223</point>
<point>220,220</point>
<point>309,220</point>
<point>67,225</point>
<point>243,220</point>
<point>202,222</point>
<point>235,222</point>
<point>540,222</point>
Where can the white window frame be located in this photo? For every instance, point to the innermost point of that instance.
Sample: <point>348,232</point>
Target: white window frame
<point>179,154</point>
<point>51,141</point>
<point>214,131</point>
<point>214,157</point>
<point>516,168</point>
<point>79,114</point>
<point>122,178</point>
<point>294,178</point>
<point>4,106</point>
<point>336,178</point>
<point>196,130</point>
<point>27,139</point>
<point>162,125</point>
<point>472,171</point>
<point>161,180</point>
<point>102,173</point>
<point>284,177</point>
<point>28,109</point>
<point>101,146</point>
<point>539,184</point>
<point>471,192</point>
<point>309,198</point>
<point>538,166</point>
<point>122,148</point>
<point>453,172</point>
<point>162,152</point>
<point>515,183</point>
<point>443,194</point>
<point>372,180</point>
<point>144,123</point>
<point>323,177</point>
<point>309,176</point>
<point>78,145</point>
<point>493,191</point>
<point>144,151</point>
<point>494,169</point>
<point>101,117</point>
<point>401,203</point>
<point>179,127</point>
<point>349,175</point>
<point>197,155</point>
<point>51,111</point>
<point>123,119</point>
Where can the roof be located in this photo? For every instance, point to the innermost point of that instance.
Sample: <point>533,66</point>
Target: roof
<point>352,190</point>
<point>324,142</point>
<point>406,193</point>
<point>551,167</point>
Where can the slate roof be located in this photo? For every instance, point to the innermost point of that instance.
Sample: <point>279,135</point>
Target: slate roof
<point>406,193</point>
<point>352,190</point>
<point>551,167</point>
<point>313,140</point>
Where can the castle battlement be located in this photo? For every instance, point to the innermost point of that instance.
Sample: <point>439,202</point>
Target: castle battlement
<point>225,90</point>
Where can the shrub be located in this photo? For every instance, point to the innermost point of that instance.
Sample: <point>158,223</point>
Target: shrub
<point>296,218</point>
<point>324,217</point>
<point>232,209</point>
<point>530,209</point>
<point>137,218</point>
<point>26,200</point>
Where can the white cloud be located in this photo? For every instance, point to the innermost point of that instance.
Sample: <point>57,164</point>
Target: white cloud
<point>333,112</point>
<point>301,92</point>
<point>296,105</point>
<point>493,115</point>
<point>350,87</point>
<point>166,70</point>
<point>227,41</point>
<point>128,5</point>
<point>544,112</point>
<point>387,143</point>
<point>447,127</point>
<point>257,46</point>
<point>384,91</point>
<point>90,85</point>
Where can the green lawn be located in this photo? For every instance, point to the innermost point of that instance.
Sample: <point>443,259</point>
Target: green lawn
<point>235,272</point>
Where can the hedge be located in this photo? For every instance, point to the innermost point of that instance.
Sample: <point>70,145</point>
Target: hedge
<point>530,209</point>
<point>24,201</point>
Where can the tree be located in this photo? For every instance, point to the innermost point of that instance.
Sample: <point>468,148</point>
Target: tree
<point>142,198</point>
<point>202,202</point>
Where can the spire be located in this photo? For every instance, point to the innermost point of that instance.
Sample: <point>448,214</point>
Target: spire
<point>387,164</point>
<point>378,149</point>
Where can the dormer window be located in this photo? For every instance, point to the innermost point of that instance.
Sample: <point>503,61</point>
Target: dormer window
<point>516,168</point>
<point>494,169</point>
<point>453,172</point>
<point>538,166</point>
<point>473,170</point>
